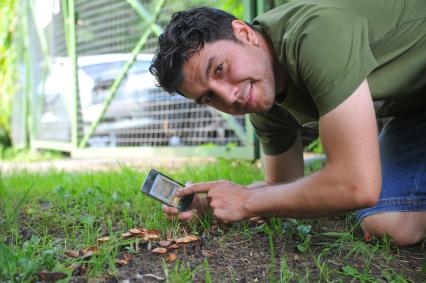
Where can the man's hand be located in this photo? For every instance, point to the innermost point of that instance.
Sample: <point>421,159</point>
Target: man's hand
<point>199,205</point>
<point>227,200</point>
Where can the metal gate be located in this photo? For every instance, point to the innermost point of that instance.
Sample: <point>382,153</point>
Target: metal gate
<point>87,89</point>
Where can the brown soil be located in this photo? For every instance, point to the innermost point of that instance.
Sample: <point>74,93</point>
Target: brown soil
<point>234,257</point>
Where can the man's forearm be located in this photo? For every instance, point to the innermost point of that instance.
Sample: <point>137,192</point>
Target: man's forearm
<point>352,177</point>
<point>320,194</point>
<point>257,185</point>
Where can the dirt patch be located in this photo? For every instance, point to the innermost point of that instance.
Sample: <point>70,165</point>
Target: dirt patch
<point>107,164</point>
<point>247,257</point>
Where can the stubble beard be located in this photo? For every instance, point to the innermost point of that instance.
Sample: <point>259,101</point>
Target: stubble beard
<point>268,95</point>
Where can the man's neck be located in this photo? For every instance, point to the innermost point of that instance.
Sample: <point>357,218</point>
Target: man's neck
<point>279,69</point>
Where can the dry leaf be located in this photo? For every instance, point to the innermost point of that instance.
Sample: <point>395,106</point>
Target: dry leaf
<point>121,262</point>
<point>79,269</point>
<point>174,246</point>
<point>165,243</point>
<point>50,276</point>
<point>152,236</point>
<point>153,232</point>
<point>127,257</point>
<point>192,238</point>
<point>125,260</point>
<point>159,250</point>
<point>72,253</point>
<point>143,230</point>
<point>187,239</point>
<point>126,235</point>
<point>183,240</point>
<point>135,231</point>
<point>207,253</point>
<point>258,220</point>
<point>89,251</point>
<point>102,240</point>
<point>171,257</point>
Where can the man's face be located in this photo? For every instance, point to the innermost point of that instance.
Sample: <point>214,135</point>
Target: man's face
<point>233,77</point>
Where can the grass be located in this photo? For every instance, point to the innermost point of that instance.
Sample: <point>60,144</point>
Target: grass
<point>43,214</point>
<point>27,155</point>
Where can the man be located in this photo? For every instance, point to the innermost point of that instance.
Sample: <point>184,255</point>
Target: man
<point>322,61</point>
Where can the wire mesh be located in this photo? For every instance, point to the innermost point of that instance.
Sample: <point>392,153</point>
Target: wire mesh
<point>50,119</point>
<point>18,118</point>
<point>140,114</point>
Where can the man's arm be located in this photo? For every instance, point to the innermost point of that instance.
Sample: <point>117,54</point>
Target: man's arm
<point>350,179</point>
<point>285,167</point>
<point>282,168</point>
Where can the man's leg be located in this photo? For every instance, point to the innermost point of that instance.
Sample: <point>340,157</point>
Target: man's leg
<point>401,210</point>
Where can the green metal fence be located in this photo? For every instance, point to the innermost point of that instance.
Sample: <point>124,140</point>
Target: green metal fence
<point>86,89</point>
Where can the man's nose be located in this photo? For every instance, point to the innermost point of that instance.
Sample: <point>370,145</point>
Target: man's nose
<point>227,92</point>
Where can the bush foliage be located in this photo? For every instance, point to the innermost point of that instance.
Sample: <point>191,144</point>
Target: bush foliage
<point>8,20</point>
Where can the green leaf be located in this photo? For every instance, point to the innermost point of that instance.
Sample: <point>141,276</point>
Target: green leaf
<point>301,248</point>
<point>349,270</point>
<point>304,230</point>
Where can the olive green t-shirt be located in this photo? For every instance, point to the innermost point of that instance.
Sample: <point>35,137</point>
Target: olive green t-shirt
<point>329,47</point>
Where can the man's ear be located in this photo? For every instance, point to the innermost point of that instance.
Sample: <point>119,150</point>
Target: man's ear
<point>244,32</point>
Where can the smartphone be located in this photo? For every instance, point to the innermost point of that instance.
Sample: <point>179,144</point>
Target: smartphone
<point>163,188</point>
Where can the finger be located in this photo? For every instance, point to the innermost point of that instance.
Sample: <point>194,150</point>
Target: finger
<point>188,183</point>
<point>170,210</point>
<point>197,188</point>
<point>185,216</point>
<point>178,216</point>
<point>220,217</point>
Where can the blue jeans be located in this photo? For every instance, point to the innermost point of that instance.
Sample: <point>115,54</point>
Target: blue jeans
<point>403,161</point>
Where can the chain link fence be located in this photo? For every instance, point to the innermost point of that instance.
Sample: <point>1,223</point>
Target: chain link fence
<point>87,84</point>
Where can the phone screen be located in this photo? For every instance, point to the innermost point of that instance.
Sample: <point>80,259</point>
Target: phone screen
<point>164,189</point>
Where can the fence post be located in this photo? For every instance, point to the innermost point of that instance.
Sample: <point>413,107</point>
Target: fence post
<point>27,88</point>
<point>72,53</point>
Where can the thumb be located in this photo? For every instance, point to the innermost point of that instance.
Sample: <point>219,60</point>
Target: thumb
<point>187,183</point>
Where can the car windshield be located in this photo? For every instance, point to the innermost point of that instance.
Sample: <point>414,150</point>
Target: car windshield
<point>112,69</point>
<point>104,74</point>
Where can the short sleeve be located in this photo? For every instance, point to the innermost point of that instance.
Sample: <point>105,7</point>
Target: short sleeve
<point>276,130</point>
<point>329,54</point>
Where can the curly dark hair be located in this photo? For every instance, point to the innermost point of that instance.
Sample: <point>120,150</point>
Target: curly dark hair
<point>184,36</point>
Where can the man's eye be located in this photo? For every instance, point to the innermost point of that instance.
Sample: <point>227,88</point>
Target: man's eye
<point>218,70</point>
<point>208,97</point>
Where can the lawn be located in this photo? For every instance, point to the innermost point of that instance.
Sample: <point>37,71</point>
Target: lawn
<point>53,227</point>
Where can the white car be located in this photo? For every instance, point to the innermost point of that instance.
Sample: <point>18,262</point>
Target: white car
<point>139,114</point>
